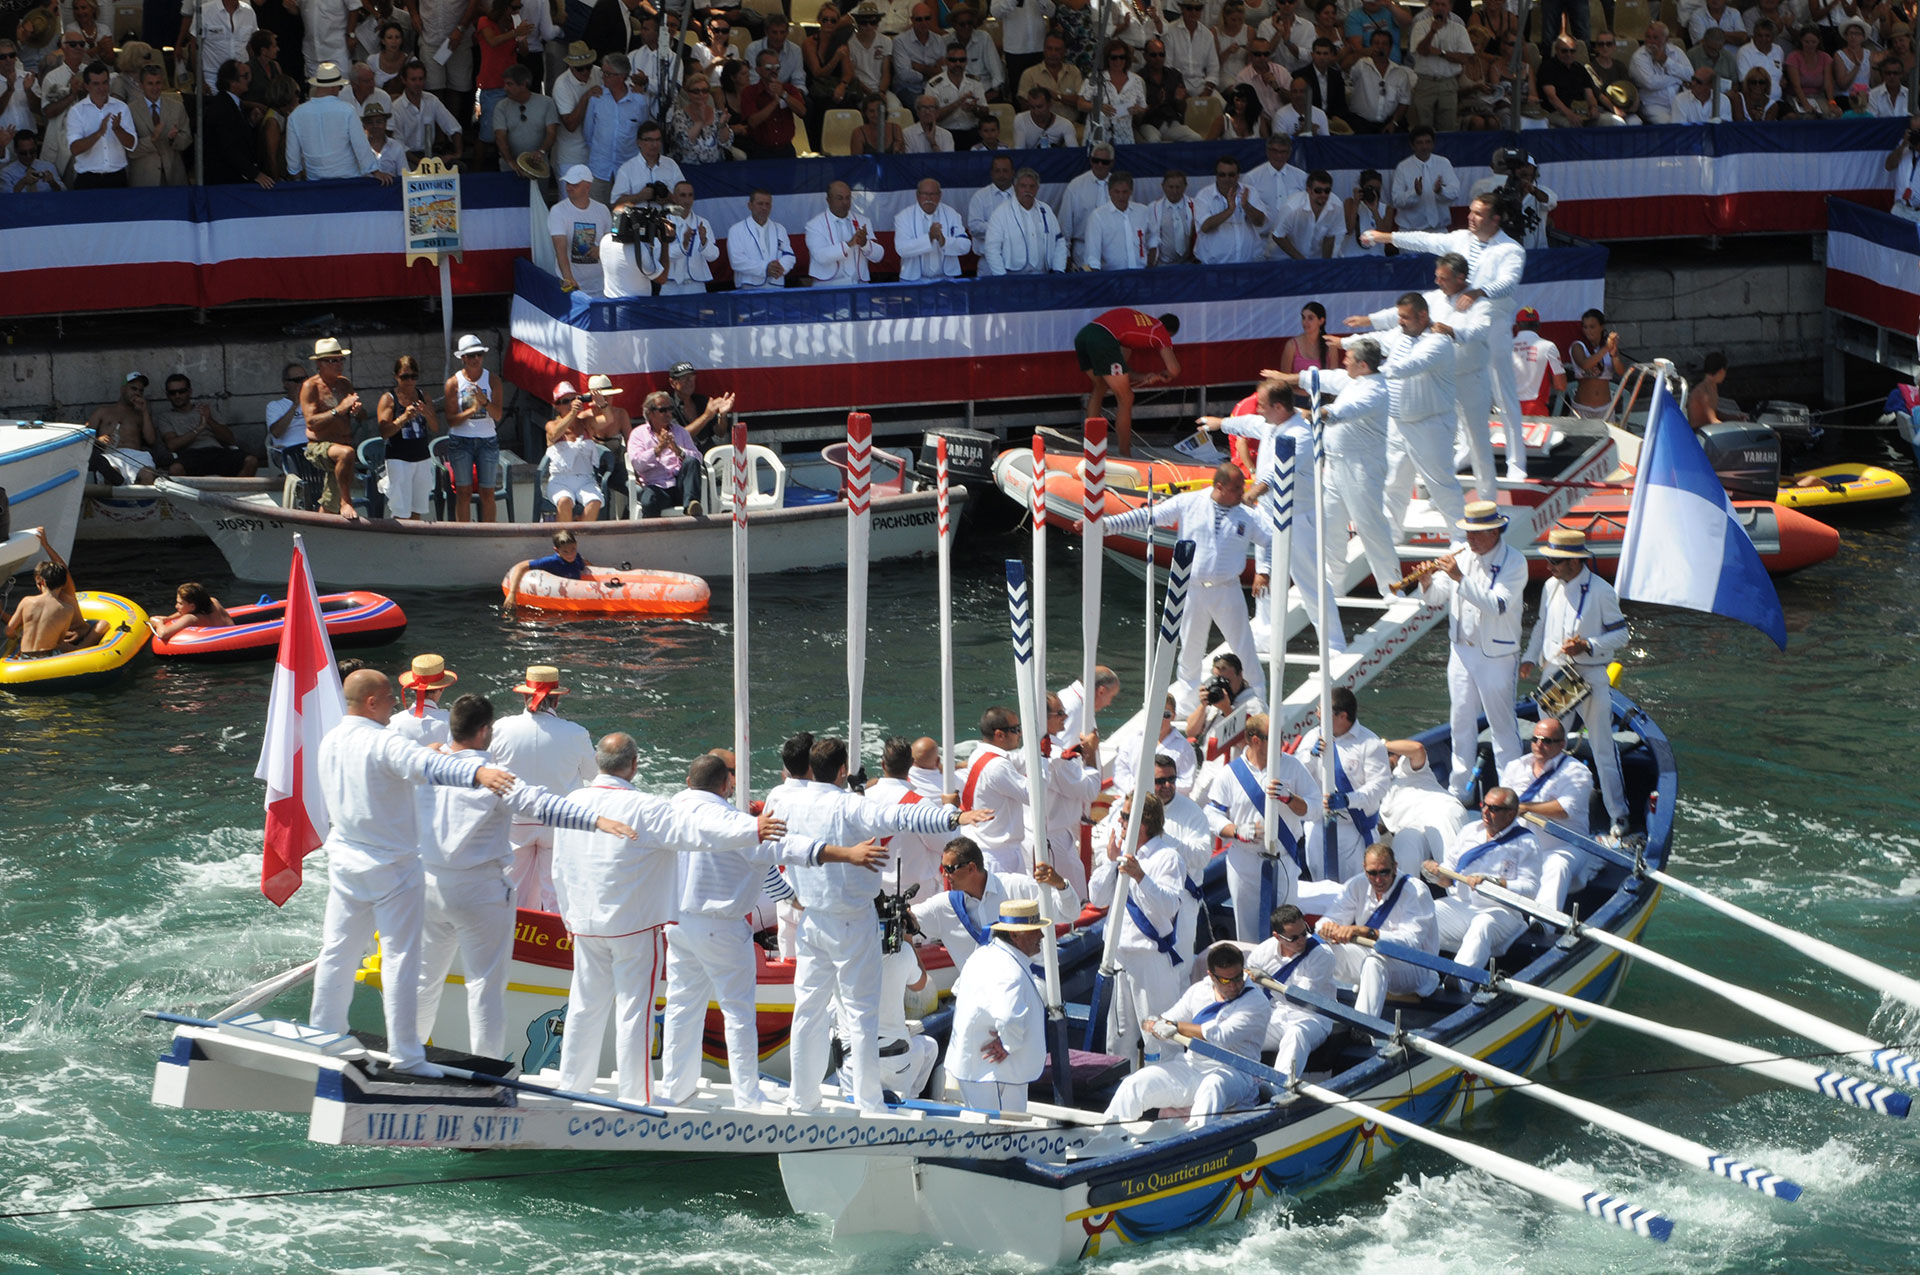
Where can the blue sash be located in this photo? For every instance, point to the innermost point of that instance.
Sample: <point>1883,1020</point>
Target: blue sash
<point>1243,775</point>
<point>1164,942</point>
<point>1286,971</point>
<point>1193,890</point>
<point>1533,789</point>
<point>1363,823</point>
<point>1212,1011</point>
<point>1479,851</point>
<point>981,934</point>
<point>1385,910</point>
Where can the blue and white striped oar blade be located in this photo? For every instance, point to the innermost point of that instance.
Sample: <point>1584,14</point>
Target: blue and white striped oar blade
<point>1753,1177</point>
<point>1868,1094</point>
<point>1277,504</point>
<point>1629,1216</point>
<point>1176,604</point>
<point>1898,1064</point>
<point>1019,607</point>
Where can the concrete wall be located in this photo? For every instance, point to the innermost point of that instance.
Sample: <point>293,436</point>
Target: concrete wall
<point>1767,319</point>
<point>238,376</point>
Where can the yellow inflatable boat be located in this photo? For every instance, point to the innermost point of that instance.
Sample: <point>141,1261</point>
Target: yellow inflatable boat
<point>1844,489</point>
<point>90,668</point>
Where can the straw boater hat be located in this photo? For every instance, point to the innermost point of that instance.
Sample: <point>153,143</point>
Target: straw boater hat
<point>1020,914</point>
<point>603,386</point>
<point>328,347</point>
<point>579,54</point>
<point>429,673</point>
<point>542,681</point>
<point>532,165</point>
<point>327,76</point>
<point>373,110</point>
<point>1482,515</point>
<point>1565,542</point>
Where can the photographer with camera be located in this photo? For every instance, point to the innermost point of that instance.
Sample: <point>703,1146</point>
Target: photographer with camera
<point>1904,163</point>
<point>574,457</point>
<point>633,255</point>
<point>1218,723</point>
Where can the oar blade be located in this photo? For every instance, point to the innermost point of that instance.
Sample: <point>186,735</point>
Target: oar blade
<point>1753,1177</point>
<point>1629,1216</point>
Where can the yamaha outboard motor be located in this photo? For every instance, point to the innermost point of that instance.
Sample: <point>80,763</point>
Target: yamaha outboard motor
<point>1746,457</point>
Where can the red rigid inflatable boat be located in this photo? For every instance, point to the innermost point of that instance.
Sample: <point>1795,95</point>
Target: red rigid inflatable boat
<point>359,618</point>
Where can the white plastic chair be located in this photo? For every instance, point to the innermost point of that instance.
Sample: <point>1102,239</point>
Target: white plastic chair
<point>719,496</point>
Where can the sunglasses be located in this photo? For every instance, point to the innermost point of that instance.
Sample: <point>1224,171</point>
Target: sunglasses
<point>1548,739</point>
<point>323,362</point>
<point>1379,872</point>
<point>1241,977</point>
<point>1116,57</point>
<point>1169,780</point>
<point>407,376</point>
<point>1497,808</point>
<point>1301,937</point>
<point>948,869</point>
<point>956,61</point>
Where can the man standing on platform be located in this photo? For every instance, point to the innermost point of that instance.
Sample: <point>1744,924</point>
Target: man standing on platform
<point>1381,903</point>
<point>1470,330</point>
<point>1238,806</point>
<point>552,753</point>
<point>1023,235</point>
<point>374,873</point>
<point>998,1046</point>
<point>841,248</point>
<point>1361,774</point>
<point>1419,371</point>
<point>1581,628</point>
<point>1482,587</point>
<point>758,248</point>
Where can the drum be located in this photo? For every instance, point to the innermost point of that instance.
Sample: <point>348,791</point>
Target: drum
<point>1561,692</point>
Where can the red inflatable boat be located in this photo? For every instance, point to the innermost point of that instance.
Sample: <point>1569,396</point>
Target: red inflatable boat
<point>352,619</point>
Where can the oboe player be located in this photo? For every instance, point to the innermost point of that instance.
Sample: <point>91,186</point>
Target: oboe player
<point>1480,585</point>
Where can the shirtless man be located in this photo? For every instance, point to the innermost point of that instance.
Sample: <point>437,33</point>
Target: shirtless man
<point>330,405</point>
<point>123,431</point>
<point>49,622</point>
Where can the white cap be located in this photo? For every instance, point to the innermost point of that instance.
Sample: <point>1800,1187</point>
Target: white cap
<point>575,174</point>
<point>564,390</point>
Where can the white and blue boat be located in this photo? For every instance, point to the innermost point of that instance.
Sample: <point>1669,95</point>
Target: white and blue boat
<point>43,469</point>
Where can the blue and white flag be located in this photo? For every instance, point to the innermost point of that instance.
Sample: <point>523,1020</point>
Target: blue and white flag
<point>1683,545</point>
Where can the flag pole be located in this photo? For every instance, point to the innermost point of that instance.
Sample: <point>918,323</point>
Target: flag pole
<point>946,620</point>
<point>742,731</point>
<point>304,704</point>
<point>859,528</point>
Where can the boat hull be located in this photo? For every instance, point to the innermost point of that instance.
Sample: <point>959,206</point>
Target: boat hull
<point>92,668</point>
<point>352,619</point>
<point>130,512</point>
<point>384,554</point>
<point>43,469</point>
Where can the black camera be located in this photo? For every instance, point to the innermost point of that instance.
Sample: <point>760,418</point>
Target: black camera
<point>637,223</point>
<point>1218,690</point>
<point>896,918</point>
<point>1913,139</point>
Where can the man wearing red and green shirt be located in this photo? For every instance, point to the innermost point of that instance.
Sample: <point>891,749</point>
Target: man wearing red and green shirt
<point>1102,346</point>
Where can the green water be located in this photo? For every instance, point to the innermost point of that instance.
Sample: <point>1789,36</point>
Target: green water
<point>129,867</point>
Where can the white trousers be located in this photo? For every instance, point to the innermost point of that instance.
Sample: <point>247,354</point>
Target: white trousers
<point>1596,713</point>
<point>1222,605</point>
<point>1563,871</point>
<point>1244,861</point>
<point>1473,406</point>
<point>838,957</point>
<point>533,867</point>
<point>1480,683</point>
<point>710,959</point>
<point>906,1070</point>
<point>1150,984</point>
<point>1302,566</point>
<point>1292,1035</point>
<point>1375,977</point>
<point>1353,495</point>
<point>992,1095</point>
<point>409,488</point>
<point>1424,447</point>
<point>1476,933</point>
<point>617,978</point>
<point>1180,1082</point>
<point>362,896</point>
<point>469,913</point>
<point>1505,389</point>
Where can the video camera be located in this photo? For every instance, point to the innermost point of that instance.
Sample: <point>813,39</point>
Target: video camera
<point>1516,218</point>
<point>637,223</point>
<point>896,918</point>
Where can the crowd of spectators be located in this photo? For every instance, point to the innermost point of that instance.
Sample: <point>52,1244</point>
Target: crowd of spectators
<point>322,88</point>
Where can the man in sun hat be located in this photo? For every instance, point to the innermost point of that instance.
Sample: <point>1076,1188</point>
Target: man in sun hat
<point>1222,1009</point>
<point>1581,627</point>
<point>1481,585</point>
<point>550,752</point>
<point>421,718</point>
<point>998,1045</point>
<point>325,138</point>
<point>330,405</point>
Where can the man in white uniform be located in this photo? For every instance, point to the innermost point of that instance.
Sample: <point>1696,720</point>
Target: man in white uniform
<point>1073,781</point>
<point>617,899</point>
<point>929,236</point>
<point>1295,957</point>
<point>1361,774</point>
<point>841,247</point>
<point>1023,234</point>
<point>1221,1009</point>
<point>986,201</point>
<point>422,720</point>
<point>1498,849</point>
<point>1083,195</point>
<point>758,248</point>
<point>1125,750</point>
<point>1581,627</point>
<point>1482,586</point>
<point>997,780</point>
<point>839,941</point>
<point>1495,264</point>
<point>1223,531</point>
<point>960,917</point>
<point>1424,185</point>
<point>1382,903</point>
<point>915,860</point>
<point>1173,214</point>
<point>469,899</point>
<point>1238,807</point>
<point>549,752</point>
<point>1552,785</point>
<point>374,874</point>
<point>1106,689</point>
<point>710,952</point>
<point>693,248</point>
<point>1277,184</point>
<point>1229,218</point>
<point>1155,967</point>
<point>1310,229</point>
<point>1424,413</point>
<point>998,1045</point>
<point>1120,235</point>
<point>1470,330</point>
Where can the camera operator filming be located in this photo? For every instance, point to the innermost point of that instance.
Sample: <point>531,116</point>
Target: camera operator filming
<point>633,255</point>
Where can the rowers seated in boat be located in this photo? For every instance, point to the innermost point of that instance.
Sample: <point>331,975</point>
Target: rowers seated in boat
<point>1501,850</point>
<point>1381,903</point>
<point>193,608</point>
<point>1298,958</point>
<point>1222,1009</point>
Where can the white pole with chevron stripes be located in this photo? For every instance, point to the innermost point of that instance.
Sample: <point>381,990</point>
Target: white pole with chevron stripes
<point>1037,673</point>
<point>859,529</point>
<point>946,619</point>
<point>1093,509</point>
<point>1322,625</point>
<point>1277,506</point>
<point>1026,645</point>
<point>742,733</point>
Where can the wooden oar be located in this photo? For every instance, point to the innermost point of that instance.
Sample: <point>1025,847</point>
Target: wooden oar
<point>742,733</point>
<point>1685,1150</point>
<point>1159,673</point>
<point>263,992</point>
<point>1851,1090</point>
<point>1037,494</point>
<point>1550,1186</point>
<point>1828,1035</point>
<point>1868,973</point>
